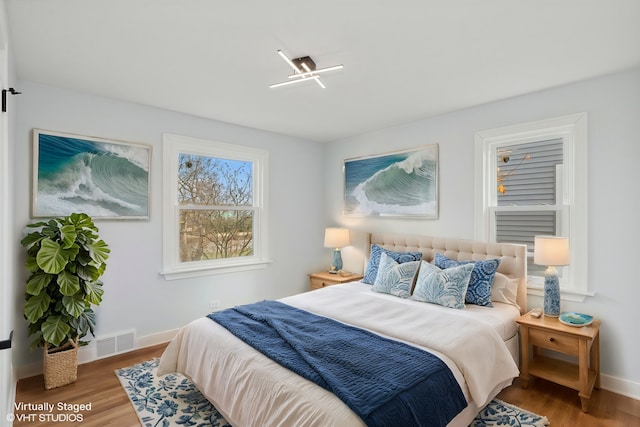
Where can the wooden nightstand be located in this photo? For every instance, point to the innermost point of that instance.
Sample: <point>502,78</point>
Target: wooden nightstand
<point>582,343</point>
<point>324,279</point>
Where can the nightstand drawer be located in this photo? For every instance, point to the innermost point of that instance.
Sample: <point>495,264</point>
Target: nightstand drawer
<point>553,341</point>
<point>323,279</point>
<point>317,283</point>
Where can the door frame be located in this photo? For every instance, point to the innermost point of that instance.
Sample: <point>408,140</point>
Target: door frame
<point>7,308</point>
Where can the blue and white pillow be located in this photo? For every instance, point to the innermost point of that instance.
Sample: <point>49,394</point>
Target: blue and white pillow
<point>395,278</point>
<point>444,287</point>
<point>374,260</point>
<point>479,291</point>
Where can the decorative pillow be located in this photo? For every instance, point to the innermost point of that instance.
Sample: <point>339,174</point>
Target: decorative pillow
<point>395,278</point>
<point>505,289</point>
<point>374,260</point>
<point>444,287</point>
<point>479,291</point>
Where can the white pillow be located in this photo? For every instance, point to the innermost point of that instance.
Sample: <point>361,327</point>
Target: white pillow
<point>505,289</point>
<point>395,278</point>
<point>444,287</point>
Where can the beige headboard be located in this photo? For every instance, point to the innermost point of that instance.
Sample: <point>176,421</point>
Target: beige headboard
<point>513,258</point>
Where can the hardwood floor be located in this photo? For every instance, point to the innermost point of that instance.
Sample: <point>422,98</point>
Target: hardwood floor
<point>561,405</point>
<point>97,384</point>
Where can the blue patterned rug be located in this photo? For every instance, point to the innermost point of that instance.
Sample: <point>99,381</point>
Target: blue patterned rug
<point>173,400</point>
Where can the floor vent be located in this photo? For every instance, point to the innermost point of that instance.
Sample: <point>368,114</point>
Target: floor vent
<point>105,346</point>
<point>108,346</point>
<point>125,342</point>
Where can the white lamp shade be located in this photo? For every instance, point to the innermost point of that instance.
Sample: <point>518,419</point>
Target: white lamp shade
<point>551,250</point>
<point>335,237</point>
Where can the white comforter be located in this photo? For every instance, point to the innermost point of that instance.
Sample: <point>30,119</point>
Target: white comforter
<point>251,390</point>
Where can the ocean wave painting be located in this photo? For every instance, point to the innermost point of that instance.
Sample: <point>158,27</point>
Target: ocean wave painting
<point>403,183</point>
<point>102,178</point>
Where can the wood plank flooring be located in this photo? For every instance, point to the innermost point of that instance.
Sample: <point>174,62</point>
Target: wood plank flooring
<point>97,384</point>
<point>561,405</point>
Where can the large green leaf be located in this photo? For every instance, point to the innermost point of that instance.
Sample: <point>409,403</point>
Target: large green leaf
<point>88,273</point>
<point>94,292</point>
<point>37,224</point>
<point>84,258</point>
<point>68,235</point>
<point>99,251</point>
<point>83,325</point>
<point>37,282</point>
<point>31,264</point>
<point>74,305</point>
<point>35,306</point>
<point>51,229</point>
<point>81,220</point>
<point>69,283</point>
<point>55,330</point>
<point>52,257</point>
<point>31,238</point>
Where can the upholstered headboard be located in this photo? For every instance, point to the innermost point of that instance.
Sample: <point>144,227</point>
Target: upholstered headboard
<point>513,258</point>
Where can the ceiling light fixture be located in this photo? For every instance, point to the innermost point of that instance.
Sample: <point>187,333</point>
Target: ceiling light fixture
<point>304,70</point>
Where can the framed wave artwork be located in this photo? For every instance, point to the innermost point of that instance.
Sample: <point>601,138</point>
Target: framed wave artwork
<point>397,184</point>
<point>103,178</point>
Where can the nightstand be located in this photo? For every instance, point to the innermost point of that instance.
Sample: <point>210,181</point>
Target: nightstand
<point>324,279</point>
<point>583,343</point>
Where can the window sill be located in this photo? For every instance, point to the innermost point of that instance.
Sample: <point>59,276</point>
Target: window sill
<point>575,295</point>
<point>185,273</point>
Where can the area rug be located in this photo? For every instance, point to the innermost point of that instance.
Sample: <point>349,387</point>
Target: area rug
<point>173,400</point>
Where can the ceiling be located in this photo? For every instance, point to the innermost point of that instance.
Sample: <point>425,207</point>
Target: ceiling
<point>403,60</point>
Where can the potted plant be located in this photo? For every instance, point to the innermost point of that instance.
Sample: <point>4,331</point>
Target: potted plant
<point>65,258</point>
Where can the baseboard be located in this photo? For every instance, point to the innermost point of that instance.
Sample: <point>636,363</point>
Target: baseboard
<point>155,339</point>
<point>620,386</point>
<point>88,353</point>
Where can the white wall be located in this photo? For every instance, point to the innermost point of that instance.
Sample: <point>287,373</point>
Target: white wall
<point>136,296</point>
<point>613,107</point>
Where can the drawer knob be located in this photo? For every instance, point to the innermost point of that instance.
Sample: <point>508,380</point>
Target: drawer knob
<point>552,339</point>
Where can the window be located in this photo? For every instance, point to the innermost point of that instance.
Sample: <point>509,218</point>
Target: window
<point>214,207</point>
<point>531,179</point>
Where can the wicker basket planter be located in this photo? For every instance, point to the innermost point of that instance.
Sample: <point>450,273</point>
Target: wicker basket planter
<point>60,364</point>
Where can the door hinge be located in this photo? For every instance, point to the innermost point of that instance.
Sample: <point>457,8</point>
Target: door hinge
<point>12,91</point>
<point>6,343</point>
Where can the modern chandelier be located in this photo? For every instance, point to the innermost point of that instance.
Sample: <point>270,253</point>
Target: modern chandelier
<point>304,70</point>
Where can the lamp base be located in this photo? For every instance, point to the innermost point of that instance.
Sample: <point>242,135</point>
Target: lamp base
<point>551,293</point>
<point>336,265</point>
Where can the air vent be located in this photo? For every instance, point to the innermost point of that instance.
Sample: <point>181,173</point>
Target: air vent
<point>120,343</point>
<point>125,342</point>
<point>105,346</point>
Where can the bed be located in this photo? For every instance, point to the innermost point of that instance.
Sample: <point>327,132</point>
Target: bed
<point>250,389</point>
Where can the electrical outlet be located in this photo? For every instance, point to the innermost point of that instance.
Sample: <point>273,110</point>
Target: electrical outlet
<point>214,303</point>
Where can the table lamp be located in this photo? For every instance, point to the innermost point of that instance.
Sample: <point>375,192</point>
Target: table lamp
<point>336,238</point>
<point>551,251</point>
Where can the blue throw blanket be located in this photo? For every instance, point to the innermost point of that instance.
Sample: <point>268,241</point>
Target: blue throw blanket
<point>385,382</point>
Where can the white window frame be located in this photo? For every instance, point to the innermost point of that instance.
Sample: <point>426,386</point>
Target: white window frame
<point>173,146</point>
<point>572,129</point>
